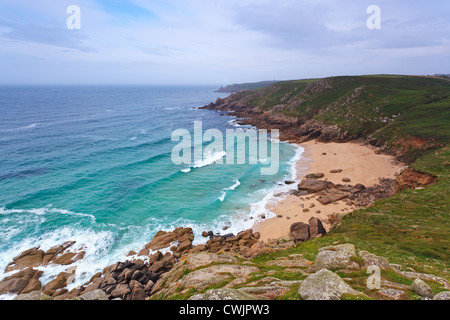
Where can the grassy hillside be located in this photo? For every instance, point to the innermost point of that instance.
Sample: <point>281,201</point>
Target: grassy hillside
<point>246,86</point>
<point>408,113</point>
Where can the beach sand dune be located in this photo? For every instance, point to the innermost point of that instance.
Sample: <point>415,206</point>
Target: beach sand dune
<point>359,164</point>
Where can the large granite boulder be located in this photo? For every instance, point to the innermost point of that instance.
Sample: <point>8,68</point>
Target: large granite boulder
<point>445,295</point>
<point>370,259</point>
<point>325,285</point>
<point>299,232</point>
<point>422,289</point>
<point>24,281</point>
<point>335,257</point>
<point>316,227</point>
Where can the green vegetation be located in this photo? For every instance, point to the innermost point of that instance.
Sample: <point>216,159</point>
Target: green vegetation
<point>390,109</point>
<point>412,228</point>
<point>246,86</point>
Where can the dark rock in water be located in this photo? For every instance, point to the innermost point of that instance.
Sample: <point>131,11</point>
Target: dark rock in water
<point>289,182</point>
<point>316,227</point>
<point>299,232</point>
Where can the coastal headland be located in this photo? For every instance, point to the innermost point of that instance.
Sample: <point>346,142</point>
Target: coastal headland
<point>373,193</point>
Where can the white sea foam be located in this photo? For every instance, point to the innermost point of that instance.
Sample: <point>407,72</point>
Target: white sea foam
<point>44,211</point>
<point>276,193</point>
<point>96,244</point>
<point>236,184</point>
<point>31,126</point>
<point>207,160</point>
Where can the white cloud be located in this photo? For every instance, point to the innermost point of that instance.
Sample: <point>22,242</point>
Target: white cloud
<point>219,41</point>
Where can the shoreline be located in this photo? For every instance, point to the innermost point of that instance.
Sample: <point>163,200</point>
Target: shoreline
<point>359,163</point>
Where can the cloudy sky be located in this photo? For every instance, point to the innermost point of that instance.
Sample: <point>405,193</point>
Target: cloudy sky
<point>218,41</point>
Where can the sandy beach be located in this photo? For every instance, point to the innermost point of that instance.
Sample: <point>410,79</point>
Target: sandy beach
<point>359,164</point>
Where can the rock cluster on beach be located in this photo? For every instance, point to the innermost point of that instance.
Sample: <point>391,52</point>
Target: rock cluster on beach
<point>329,192</point>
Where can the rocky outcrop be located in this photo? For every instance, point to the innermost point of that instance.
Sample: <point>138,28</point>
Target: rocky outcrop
<point>335,257</point>
<point>316,228</point>
<point>445,295</point>
<point>180,239</point>
<point>198,270</point>
<point>21,282</point>
<point>313,185</point>
<point>301,232</point>
<point>370,259</point>
<point>325,285</point>
<point>358,194</point>
<point>35,257</point>
<point>411,179</point>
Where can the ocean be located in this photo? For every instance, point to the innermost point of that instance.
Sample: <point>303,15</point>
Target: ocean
<point>93,165</point>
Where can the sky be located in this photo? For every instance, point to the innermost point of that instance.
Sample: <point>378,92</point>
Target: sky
<point>139,42</point>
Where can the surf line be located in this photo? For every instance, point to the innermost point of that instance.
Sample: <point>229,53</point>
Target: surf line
<point>234,152</point>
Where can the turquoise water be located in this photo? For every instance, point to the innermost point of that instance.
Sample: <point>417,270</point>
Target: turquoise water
<point>93,164</point>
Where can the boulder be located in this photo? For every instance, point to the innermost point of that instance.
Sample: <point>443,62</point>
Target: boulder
<point>94,295</point>
<point>370,259</point>
<point>422,289</point>
<point>35,257</point>
<point>324,285</point>
<point>312,186</point>
<point>138,293</point>
<point>392,293</point>
<point>315,176</point>
<point>331,195</point>
<point>23,281</point>
<point>163,239</point>
<point>299,232</point>
<point>335,257</point>
<point>445,295</point>
<point>120,291</point>
<point>316,227</point>
<point>35,295</point>
<point>56,284</point>
<point>28,259</point>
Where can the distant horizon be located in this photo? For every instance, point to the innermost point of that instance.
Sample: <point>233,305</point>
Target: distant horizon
<point>202,84</point>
